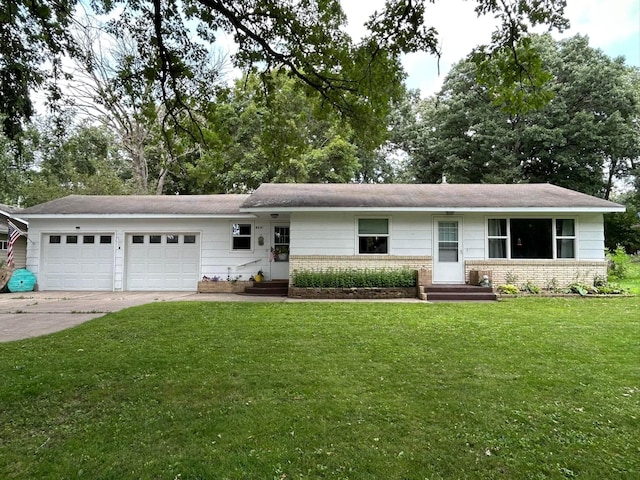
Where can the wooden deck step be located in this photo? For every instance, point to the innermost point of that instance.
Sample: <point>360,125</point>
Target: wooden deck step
<point>273,288</point>
<point>459,293</point>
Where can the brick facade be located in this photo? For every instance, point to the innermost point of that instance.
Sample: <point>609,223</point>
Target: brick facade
<point>543,273</point>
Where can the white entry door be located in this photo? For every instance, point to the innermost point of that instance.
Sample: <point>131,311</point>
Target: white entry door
<point>280,237</point>
<point>448,264</point>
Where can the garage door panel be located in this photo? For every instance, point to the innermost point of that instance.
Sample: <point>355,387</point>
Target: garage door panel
<point>76,266</point>
<point>162,266</point>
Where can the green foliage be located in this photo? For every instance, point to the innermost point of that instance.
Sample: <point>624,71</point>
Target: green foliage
<point>584,139</point>
<point>619,262</point>
<point>508,289</point>
<point>622,228</point>
<point>531,287</point>
<point>353,278</point>
<point>582,289</point>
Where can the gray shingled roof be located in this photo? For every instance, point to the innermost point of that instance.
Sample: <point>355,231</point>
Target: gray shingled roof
<point>421,196</point>
<point>285,197</point>
<point>8,208</point>
<point>139,205</point>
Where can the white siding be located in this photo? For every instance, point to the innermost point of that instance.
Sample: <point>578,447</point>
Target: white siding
<point>473,237</point>
<point>590,237</point>
<point>323,233</point>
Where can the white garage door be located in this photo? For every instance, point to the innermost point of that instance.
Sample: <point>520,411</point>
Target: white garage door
<point>163,261</point>
<point>77,262</point>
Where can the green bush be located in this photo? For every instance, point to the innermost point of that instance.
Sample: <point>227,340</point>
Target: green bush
<point>531,287</point>
<point>353,278</point>
<point>619,262</point>
<point>509,289</point>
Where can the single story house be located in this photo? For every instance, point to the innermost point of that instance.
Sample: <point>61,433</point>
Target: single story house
<point>536,232</point>
<point>20,246</point>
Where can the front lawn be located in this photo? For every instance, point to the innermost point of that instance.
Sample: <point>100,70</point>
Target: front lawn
<point>527,388</point>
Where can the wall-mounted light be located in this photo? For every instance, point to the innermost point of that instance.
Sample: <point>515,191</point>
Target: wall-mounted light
<point>274,215</point>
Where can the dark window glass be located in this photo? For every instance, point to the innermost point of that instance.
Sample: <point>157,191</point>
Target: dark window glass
<point>189,239</point>
<point>54,238</point>
<point>155,238</point>
<point>531,238</point>
<point>72,239</point>
<point>374,244</point>
<point>137,239</point>
<point>172,238</point>
<point>242,243</point>
<point>88,239</point>
<point>105,238</point>
<point>241,236</point>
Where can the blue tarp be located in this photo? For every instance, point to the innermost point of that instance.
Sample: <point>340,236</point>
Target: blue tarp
<point>22,280</point>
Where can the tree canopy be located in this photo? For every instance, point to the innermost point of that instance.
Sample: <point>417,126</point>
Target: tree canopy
<point>307,39</point>
<point>586,137</point>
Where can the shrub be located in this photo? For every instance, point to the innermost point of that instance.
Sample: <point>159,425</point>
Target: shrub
<point>531,287</point>
<point>353,278</point>
<point>619,262</point>
<point>508,289</point>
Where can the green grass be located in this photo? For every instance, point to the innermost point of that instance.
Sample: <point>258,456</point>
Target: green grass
<point>632,280</point>
<point>520,389</point>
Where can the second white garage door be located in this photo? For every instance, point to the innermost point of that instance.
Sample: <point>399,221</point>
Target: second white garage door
<point>163,261</point>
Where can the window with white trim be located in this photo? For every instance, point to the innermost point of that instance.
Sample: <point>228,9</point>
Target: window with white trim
<point>373,236</point>
<point>565,238</point>
<point>498,237</point>
<point>4,244</point>
<point>531,238</point>
<point>241,236</point>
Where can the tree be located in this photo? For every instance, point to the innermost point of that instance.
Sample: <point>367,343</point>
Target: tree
<point>588,129</point>
<point>33,34</point>
<point>305,38</point>
<point>80,159</point>
<point>271,130</point>
<point>111,87</point>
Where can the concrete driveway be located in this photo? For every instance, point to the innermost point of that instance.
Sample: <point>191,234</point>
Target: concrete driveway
<point>24,315</point>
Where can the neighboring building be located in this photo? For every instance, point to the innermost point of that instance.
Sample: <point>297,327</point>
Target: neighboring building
<point>537,232</point>
<point>20,247</point>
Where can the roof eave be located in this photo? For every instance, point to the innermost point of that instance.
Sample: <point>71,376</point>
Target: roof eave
<point>137,216</point>
<point>439,209</point>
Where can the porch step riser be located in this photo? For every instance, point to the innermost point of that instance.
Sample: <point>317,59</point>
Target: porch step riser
<point>274,288</point>
<point>457,289</point>
<point>461,297</point>
<point>459,293</point>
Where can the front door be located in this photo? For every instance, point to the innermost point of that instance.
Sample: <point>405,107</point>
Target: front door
<point>448,264</point>
<point>280,236</point>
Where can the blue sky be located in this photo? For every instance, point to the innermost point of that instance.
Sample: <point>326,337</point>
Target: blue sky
<point>611,25</point>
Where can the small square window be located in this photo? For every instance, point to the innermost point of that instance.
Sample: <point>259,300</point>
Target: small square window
<point>54,238</point>
<point>105,239</point>
<point>241,236</point>
<point>88,239</point>
<point>173,238</point>
<point>155,238</point>
<point>137,239</point>
<point>189,239</point>
<point>72,239</point>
